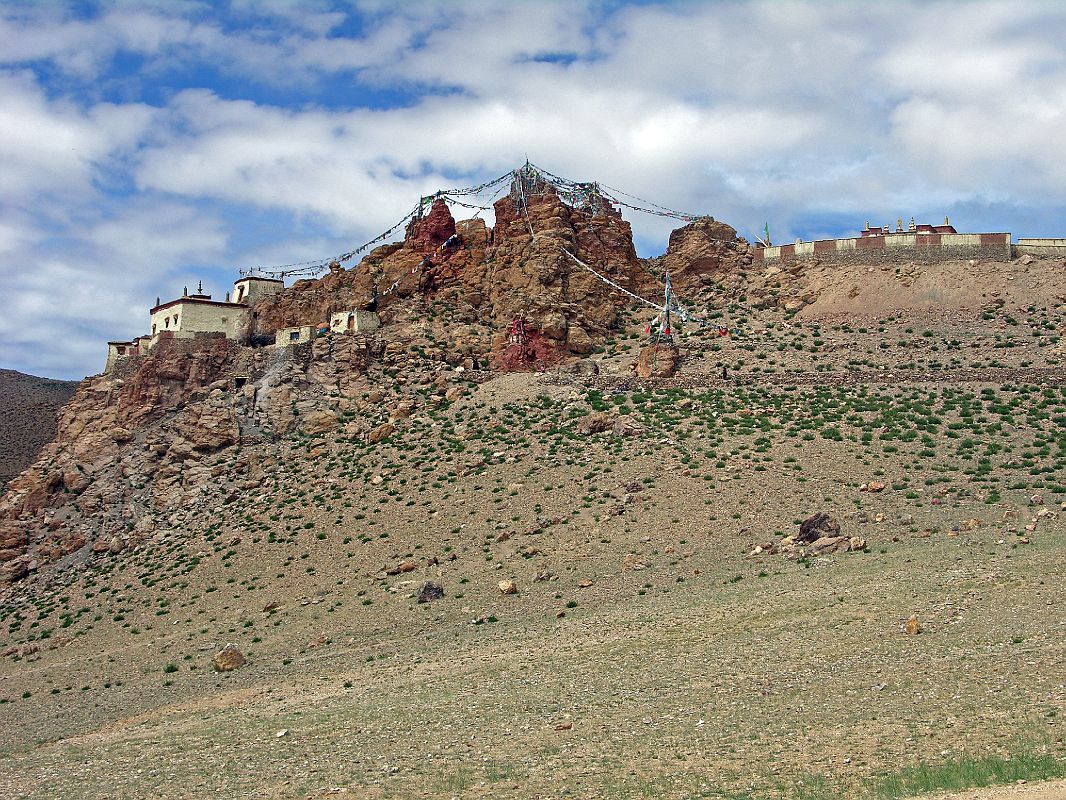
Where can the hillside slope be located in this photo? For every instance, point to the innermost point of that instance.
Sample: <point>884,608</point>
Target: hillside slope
<point>561,579</point>
<point>28,409</point>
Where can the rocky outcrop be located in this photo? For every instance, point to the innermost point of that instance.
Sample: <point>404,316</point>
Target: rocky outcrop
<point>491,277</point>
<point>143,448</point>
<point>702,252</point>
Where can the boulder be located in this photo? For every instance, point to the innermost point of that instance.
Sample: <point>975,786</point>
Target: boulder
<point>596,422</point>
<point>430,591</point>
<point>626,426</point>
<point>228,659</point>
<point>508,587</point>
<point>657,361</point>
<point>381,432</point>
<point>817,526</point>
<point>319,422</point>
<point>553,326</point>
<point>579,341</point>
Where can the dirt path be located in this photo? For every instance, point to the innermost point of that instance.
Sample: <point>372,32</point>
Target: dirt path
<point>1055,790</point>
<point>1050,375</point>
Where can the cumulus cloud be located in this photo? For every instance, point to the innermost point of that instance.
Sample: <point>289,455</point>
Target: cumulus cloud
<point>329,119</point>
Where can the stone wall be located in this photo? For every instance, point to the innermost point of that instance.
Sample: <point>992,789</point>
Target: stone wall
<point>1041,247</point>
<point>893,248</point>
<point>250,291</point>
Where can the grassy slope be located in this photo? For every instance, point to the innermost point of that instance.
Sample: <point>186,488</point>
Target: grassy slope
<point>709,672</point>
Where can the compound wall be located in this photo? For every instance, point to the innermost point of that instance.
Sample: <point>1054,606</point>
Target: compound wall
<point>897,247</point>
<point>1041,247</point>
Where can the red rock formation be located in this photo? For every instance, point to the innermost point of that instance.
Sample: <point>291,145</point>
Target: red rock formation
<point>426,234</point>
<point>496,276</point>
<point>701,251</point>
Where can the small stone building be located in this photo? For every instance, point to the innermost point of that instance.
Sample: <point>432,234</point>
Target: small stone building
<point>118,351</point>
<point>286,337</point>
<point>354,322</point>
<point>252,289</point>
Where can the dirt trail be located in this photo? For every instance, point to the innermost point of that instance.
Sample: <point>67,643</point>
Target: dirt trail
<point>1055,790</point>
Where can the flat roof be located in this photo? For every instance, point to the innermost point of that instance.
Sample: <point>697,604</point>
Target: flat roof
<point>198,301</point>
<point>257,278</point>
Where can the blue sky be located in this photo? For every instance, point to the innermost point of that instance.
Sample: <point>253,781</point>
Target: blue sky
<point>145,146</point>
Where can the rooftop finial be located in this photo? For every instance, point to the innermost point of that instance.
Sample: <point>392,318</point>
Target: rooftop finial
<point>199,287</point>
<point>184,291</point>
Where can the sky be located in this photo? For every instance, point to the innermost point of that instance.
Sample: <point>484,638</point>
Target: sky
<point>147,146</point>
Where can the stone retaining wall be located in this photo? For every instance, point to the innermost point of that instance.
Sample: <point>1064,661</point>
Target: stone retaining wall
<point>1041,247</point>
<point>894,248</point>
<point>1044,376</point>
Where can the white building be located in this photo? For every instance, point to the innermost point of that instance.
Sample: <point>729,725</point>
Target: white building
<point>354,322</point>
<point>198,313</point>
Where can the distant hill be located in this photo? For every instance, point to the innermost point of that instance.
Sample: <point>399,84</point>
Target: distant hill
<point>28,407</point>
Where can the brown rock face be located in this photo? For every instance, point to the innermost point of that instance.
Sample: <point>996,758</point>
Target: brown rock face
<point>657,361</point>
<point>492,277</point>
<point>701,250</point>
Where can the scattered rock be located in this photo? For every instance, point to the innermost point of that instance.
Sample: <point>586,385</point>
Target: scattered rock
<point>228,659</point>
<point>508,587</point>
<point>596,422</point>
<point>430,591</point>
<point>912,627</point>
<point>817,526</point>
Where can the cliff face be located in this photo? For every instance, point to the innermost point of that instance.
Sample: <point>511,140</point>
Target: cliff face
<point>488,277</point>
<point>140,451</point>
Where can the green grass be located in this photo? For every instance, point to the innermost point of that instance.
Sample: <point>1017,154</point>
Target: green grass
<point>966,773</point>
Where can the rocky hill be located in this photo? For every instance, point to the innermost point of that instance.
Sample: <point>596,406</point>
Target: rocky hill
<point>28,409</point>
<point>753,562</point>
